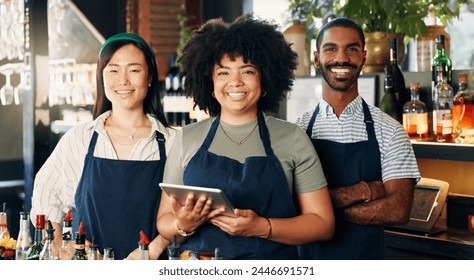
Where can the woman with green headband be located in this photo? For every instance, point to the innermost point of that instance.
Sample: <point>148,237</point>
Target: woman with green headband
<point>108,169</point>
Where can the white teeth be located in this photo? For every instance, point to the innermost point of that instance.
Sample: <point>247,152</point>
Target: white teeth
<point>236,94</point>
<point>124,92</point>
<point>340,71</point>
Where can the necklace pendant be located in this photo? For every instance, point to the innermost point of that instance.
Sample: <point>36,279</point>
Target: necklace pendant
<point>131,137</point>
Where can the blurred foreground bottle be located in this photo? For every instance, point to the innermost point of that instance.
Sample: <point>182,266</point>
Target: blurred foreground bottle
<point>50,250</point>
<point>389,104</point>
<point>143,253</point>
<point>174,250</point>
<point>93,253</point>
<point>80,246</point>
<point>67,246</point>
<point>35,250</point>
<point>23,242</point>
<point>4,232</point>
<point>463,113</point>
<point>415,115</point>
<point>442,106</point>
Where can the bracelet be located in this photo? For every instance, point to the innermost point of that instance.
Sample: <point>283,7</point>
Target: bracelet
<point>269,235</point>
<point>370,191</point>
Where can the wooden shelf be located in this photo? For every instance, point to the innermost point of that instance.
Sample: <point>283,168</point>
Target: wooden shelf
<point>448,151</point>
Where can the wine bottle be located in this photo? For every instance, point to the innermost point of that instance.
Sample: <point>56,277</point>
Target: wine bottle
<point>143,253</point>
<point>441,62</point>
<point>109,254</point>
<point>23,242</point>
<point>463,113</point>
<point>80,246</point>
<point>170,99</point>
<point>415,115</point>
<point>398,81</point>
<point>35,250</point>
<point>388,103</point>
<point>442,108</point>
<point>50,251</point>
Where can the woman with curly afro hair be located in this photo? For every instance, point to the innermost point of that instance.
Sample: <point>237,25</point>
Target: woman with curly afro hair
<point>266,167</point>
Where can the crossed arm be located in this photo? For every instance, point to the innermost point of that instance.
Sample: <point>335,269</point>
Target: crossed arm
<point>376,203</point>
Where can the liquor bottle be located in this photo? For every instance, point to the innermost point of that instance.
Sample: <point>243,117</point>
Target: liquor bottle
<point>93,253</point>
<point>80,246</point>
<point>415,115</point>
<point>442,105</point>
<point>440,60</point>
<point>23,242</point>
<point>170,99</point>
<point>66,251</point>
<point>388,104</point>
<point>143,253</point>
<point>463,113</point>
<point>50,250</point>
<point>398,81</point>
<point>217,254</point>
<point>181,107</point>
<point>174,250</point>
<point>4,232</point>
<point>35,249</point>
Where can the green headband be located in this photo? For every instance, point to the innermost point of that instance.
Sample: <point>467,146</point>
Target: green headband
<point>129,37</point>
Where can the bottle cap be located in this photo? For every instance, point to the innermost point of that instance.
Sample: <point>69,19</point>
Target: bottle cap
<point>50,231</point>
<point>40,220</point>
<point>414,85</point>
<point>462,77</point>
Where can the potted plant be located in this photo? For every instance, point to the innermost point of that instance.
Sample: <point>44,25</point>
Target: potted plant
<point>401,19</point>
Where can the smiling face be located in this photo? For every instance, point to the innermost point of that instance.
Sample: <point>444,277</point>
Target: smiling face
<point>126,78</point>
<point>340,58</point>
<point>237,89</point>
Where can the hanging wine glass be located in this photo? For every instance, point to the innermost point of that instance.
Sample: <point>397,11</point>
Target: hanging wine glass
<point>6,92</point>
<point>22,88</point>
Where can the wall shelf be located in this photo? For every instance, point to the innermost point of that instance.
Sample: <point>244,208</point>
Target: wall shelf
<point>447,151</point>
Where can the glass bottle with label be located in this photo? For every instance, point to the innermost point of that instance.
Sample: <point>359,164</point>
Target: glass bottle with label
<point>463,113</point>
<point>415,115</point>
<point>35,250</point>
<point>23,242</point>
<point>80,246</point>
<point>441,62</point>
<point>4,232</point>
<point>388,104</point>
<point>50,251</point>
<point>442,108</point>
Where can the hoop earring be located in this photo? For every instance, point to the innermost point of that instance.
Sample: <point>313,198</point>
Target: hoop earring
<point>264,94</point>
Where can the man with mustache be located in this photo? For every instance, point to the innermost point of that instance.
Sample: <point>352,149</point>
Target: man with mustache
<point>366,155</point>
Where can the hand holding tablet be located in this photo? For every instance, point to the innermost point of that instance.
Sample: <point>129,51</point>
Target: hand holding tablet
<point>180,192</point>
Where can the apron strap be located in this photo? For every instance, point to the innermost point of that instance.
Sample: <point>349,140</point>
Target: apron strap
<point>92,143</point>
<point>309,129</point>
<point>161,144</point>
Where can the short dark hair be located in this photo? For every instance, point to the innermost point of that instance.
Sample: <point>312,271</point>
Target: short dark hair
<point>257,40</point>
<point>340,22</point>
<point>152,102</point>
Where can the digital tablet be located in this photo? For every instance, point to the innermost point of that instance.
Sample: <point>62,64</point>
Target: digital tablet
<point>180,192</point>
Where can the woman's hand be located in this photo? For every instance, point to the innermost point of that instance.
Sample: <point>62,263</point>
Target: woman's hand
<point>246,223</point>
<point>193,213</point>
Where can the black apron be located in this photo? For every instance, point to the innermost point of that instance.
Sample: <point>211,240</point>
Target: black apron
<point>117,198</point>
<point>258,184</point>
<point>346,164</point>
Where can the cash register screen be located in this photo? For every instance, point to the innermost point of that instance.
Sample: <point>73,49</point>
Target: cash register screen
<point>425,200</point>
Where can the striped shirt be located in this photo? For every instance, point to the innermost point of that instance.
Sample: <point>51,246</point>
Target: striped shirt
<point>396,152</point>
<point>56,182</point>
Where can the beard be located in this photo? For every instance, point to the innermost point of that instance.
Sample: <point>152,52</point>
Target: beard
<point>339,84</point>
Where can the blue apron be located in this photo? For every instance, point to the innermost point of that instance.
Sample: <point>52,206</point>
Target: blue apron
<point>117,198</point>
<point>258,184</point>
<point>346,164</point>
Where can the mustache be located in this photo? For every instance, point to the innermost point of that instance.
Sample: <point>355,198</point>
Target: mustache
<point>344,64</point>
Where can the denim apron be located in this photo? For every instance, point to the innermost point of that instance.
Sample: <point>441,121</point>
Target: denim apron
<point>346,164</point>
<point>258,184</point>
<point>117,198</point>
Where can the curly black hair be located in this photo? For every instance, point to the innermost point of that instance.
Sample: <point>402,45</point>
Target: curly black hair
<point>257,41</point>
